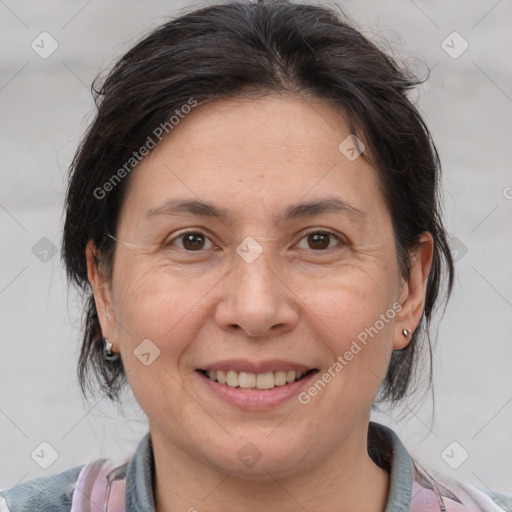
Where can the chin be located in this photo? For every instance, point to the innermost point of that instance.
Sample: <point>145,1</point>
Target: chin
<point>260,460</point>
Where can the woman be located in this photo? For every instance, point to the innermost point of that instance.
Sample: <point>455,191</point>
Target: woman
<point>254,218</point>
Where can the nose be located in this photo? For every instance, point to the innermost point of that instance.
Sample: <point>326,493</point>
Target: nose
<point>257,298</point>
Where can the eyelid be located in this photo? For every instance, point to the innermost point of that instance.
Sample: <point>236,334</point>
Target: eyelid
<point>342,241</point>
<point>189,231</point>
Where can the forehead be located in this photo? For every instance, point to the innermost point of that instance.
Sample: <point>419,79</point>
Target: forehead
<point>252,156</point>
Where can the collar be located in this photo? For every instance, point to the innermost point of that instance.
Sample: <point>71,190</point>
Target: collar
<point>384,447</point>
<point>387,451</point>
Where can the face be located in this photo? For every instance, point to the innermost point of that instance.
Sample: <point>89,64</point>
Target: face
<point>291,268</point>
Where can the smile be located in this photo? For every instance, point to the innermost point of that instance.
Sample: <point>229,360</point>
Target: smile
<point>260,381</point>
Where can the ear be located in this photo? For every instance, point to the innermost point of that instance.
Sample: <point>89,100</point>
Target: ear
<point>102,291</point>
<point>413,291</point>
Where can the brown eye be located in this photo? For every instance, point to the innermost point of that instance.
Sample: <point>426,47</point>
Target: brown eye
<point>321,240</point>
<point>190,241</point>
<point>193,241</point>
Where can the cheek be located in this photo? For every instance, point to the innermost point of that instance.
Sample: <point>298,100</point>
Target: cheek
<point>168,308</point>
<point>150,298</point>
<point>355,313</point>
<point>352,300</point>
<point>357,329</point>
<point>161,306</point>
<point>158,316</point>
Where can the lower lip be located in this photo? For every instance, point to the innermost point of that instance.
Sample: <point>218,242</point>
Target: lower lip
<point>256,399</point>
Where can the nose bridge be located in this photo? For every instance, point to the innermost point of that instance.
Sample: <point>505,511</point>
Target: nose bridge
<point>255,268</point>
<point>256,298</point>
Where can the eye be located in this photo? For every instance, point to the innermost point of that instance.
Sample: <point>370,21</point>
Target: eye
<point>191,241</point>
<point>320,240</point>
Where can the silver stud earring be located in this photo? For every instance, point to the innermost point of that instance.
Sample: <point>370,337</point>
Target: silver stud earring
<point>110,355</point>
<point>406,332</point>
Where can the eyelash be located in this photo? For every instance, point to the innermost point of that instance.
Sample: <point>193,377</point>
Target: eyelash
<point>314,232</point>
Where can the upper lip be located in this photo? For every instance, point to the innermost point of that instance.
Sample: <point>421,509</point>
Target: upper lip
<point>244,365</point>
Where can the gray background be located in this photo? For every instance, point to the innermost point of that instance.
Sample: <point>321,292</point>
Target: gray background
<point>45,105</point>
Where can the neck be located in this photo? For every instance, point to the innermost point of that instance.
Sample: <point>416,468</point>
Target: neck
<point>347,480</point>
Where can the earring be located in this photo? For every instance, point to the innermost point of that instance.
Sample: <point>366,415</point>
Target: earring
<point>110,355</point>
<point>406,332</point>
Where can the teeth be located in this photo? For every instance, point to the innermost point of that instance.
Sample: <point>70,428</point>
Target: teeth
<point>232,379</point>
<point>246,380</point>
<point>279,378</point>
<point>265,380</point>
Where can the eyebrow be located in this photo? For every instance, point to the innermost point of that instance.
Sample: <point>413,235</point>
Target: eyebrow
<point>292,211</point>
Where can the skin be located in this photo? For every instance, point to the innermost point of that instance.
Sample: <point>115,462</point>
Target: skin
<point>295,301</point>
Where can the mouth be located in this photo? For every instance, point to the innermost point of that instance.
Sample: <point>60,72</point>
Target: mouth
<point>247,381</point>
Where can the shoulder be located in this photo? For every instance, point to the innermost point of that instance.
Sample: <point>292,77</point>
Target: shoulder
<point>416,489</point>
<point>73,490</point>
<point>436,491</point>
<point>94,486</point>
<point>53,493</point>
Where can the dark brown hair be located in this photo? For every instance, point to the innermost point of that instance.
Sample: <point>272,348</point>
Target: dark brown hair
<point>240,49</point>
